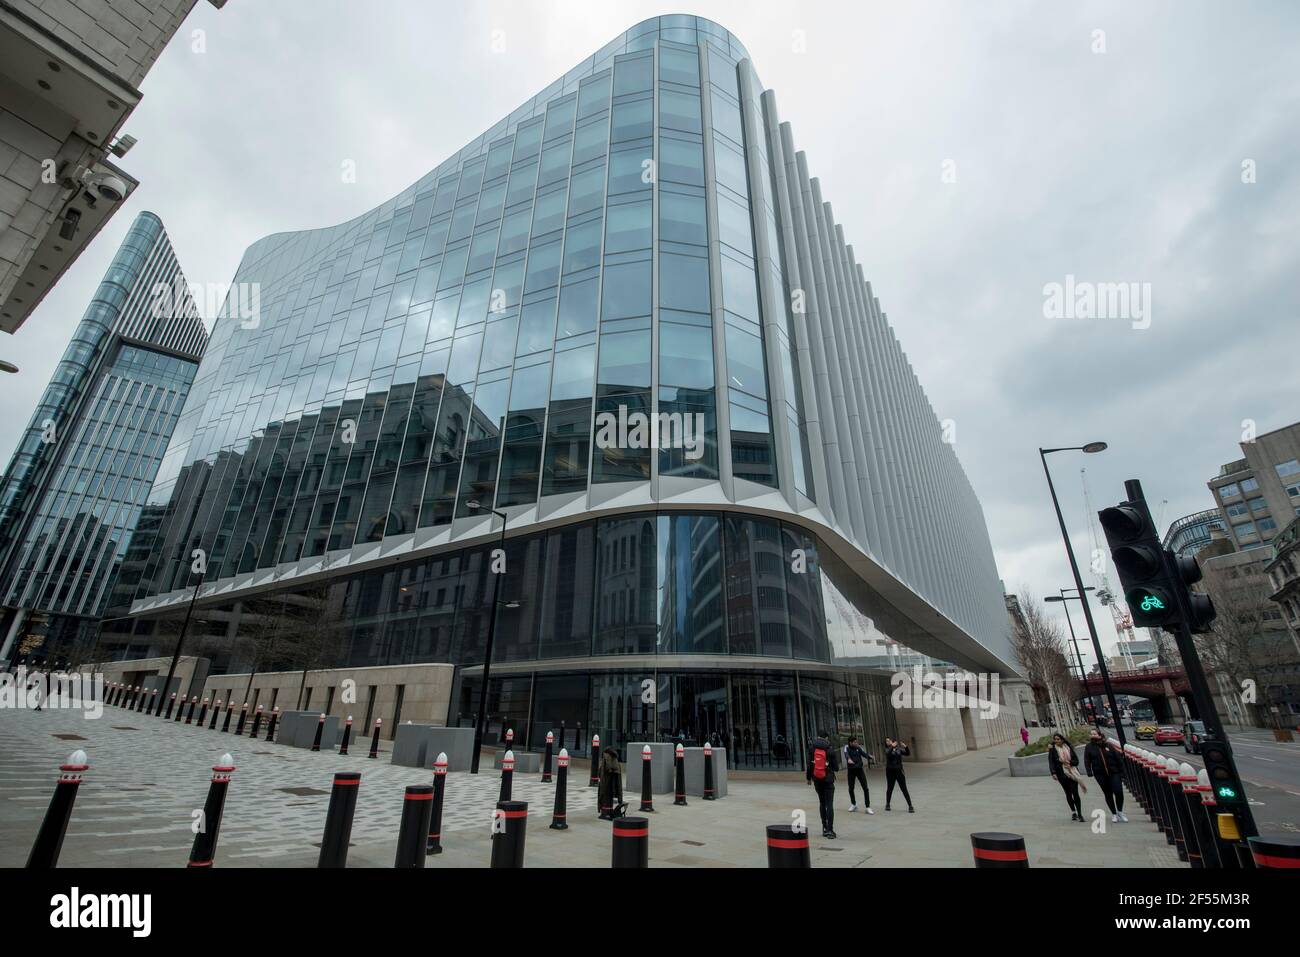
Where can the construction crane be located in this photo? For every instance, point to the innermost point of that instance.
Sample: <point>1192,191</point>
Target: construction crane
<point>1119,613</point>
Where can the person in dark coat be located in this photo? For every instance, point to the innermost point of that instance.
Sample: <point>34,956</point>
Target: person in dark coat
<point>895,751</point>
<point>1063,764</point>
<point>823,762</point>
<point>1104,766</point>
<point>609,791</point>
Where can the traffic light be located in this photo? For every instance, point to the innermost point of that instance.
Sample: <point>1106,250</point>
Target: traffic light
<point>1223,774</point>
<point>1156,582</point>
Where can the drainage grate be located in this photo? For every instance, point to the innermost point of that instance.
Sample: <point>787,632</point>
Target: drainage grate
<point>302,792</point>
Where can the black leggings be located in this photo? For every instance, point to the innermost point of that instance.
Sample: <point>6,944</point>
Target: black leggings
<point>1071,788</point>
<point>896,776</point>
<point>859,775</point>
<point>826,803</point>
<point>1112,789</point>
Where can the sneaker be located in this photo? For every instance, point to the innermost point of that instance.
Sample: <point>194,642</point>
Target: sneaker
<point>911,810</point>
<point>869,811</point>
<point>1073,816</point>
<point>887,807</point>
<point>853,807</point>
<point>829,835</point>
<point>1114,819</point>
<point>1123,818</point>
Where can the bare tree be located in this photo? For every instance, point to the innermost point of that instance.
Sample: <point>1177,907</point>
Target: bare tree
<point>1039,645</point>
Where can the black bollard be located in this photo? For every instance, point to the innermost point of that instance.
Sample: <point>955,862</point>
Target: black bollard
<point>559,816</point>
<point>999,849</point>
<point>257,722</point>
<point>510,739</point>
<point>49,839</point>
<point>338,820</point>
<point>787,847</point>
<point>647,798</point>
<point>171,703</point>
<point>507,776</point>
<point>141,697</point>
<point>1189,801</point>
<point>1203,823</point>
<point>631,847</point>
<point>203,713</point>
<point>374,743</point>
<point>546,758</point>
<point>509,827</point>
<point>216,713</point>
<point>347,735</point>
<point>1173,791</point>
<point>413,832</point>
<point>131,697</point>
<point>243,718</point>
<point>194,703</point>
<point>270,725</point>
<point>679,788</point>
<point>1275,851</point>
<point>204,850</point>
<point>595,762</point>
<point>230,709</point>
<point>320,728</point>
<point>180,709</point>
<point>155,707</point>
<point>708,772</point>
<point>434,845</point>
<point>563,731</point>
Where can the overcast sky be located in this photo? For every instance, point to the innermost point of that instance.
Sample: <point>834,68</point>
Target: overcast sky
<point>1113,157</point>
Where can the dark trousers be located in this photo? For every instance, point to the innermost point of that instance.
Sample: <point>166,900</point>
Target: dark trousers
<point>896,776</point>
<point>860,776</point>
<point>826,802</point>
<point>1112,789</point>
<point>1071,788</point>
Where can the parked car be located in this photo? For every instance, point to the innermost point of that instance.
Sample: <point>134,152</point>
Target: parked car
<point>1168,734</point>
<point>1145,730</point>
<point>1193,731</point>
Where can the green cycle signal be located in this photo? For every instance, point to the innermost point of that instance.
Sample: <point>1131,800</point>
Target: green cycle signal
<point>1151,603</point>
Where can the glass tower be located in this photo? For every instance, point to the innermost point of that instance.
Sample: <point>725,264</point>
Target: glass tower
<point>625,318</point>
<point>76,484</point>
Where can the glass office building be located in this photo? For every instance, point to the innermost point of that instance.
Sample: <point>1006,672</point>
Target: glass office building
<point>640,241</point>
<point>74,489</point>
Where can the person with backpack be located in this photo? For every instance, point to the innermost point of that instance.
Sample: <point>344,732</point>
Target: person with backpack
<point>856,762</point>
<point>1063,764</point>
<point>895,751</point>
<point>823,762</point>
<point>1104,766</point>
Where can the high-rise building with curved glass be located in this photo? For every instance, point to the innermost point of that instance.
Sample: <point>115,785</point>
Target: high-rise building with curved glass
<point>625,318</point>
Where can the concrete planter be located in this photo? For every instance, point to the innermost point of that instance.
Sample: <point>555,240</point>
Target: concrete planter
<point>1033,766</point>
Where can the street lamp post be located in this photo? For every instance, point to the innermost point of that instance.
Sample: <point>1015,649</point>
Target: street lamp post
<point>480,718</point>
<point>1075,641</point>
<point>1090,448</point>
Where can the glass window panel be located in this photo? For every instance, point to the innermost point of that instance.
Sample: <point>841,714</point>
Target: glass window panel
<point>726,118</point>
<point>745,367</point>
<point>548,212</point>
<point>593,94</point>
<point>514,232</point>
<point>543,267</point>
<point>625,361</point>
<point>482,250</point>
<point>587,190</point>
<point>507,286</point>
<point>633,121</point>
<point>627,291</point>
<point>582,246</point>
<point>679,66</point>
<point>577,308</point>
<point>555,163</point>
<point>536,327</point>
<point>739,289</point>
<point>734,227</point>
<point>689,585</point>
<point>679,111</point>
<point>590,141</point>
<point>683,282</point>
<point>626,569</point>
<point>522,183</point>
<point>686,356</point>
<point>682,219</point>
<point>630,171</point>
<point>729,167</point>
<point>499,343</point>
<point>627,227</point>
<point>681,162</point>
<point>632,74</point>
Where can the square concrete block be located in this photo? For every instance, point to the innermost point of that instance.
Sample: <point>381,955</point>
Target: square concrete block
<point>297,729</point>
<point>695,772</point>
<point>457,743</point>
<point>661,767</point>
<point>411,745</point>
<point>526,762</point>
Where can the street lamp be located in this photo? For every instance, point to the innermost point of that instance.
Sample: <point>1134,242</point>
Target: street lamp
<point>7,366</point>
<point>481,718</point>
<point>1090,449</point>
<point>1063,598</point>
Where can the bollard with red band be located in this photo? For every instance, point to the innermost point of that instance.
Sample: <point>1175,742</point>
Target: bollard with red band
<point>679,774</point>
<point>507,776</point>
<point>320,729</point>
<point>230,709</point>
<point>216,713</point>
<point>434,845</point>
<point>787,847</point>
<point>1159,796</point>
<point>559,817</point>
<point>180,708</point>
<point>1173,790</point>
<point>563,731</point>
<point>595,762</point>
<point>647,799</point>
<point>347,736</point>
<point>171,703</point>
<point>338,820</point>
<point>270,725</point>
<point>49,839</point>
<point>631,847</point>
<point>155,707</point>
<point>999,849</point>
<point>243,719</point>
<point>203,713</point>
<point>257,722</point>
<point>546,758</point>
<point>189,716</point>
<point>509,827</point>
<point>204,851</point>
<point>708,773</point>
<point>1203,823</point>
<point>413,832</point>
<point>141,697</point>
<point>1188,804</point>
<point>1276,851</point>
<point>374,742</point>
<point>510,738</point>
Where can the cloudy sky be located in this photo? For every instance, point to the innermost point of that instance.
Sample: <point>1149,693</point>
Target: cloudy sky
<point>974,152</point>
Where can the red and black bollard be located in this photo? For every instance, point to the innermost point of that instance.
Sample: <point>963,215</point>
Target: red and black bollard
<point>257,722</point>
<point>140,698</point>
<point>631,847</point>
<point>338,820</point>
<point>412,834</point>
<point>243,719</point>
<point>194,703</point>
<point>559,817</point>
<point>1189,807</point>
<point>546,758</point>
<point>270,725</point>
<point>563,732</point>
<point>507,776</point>
<point>204,850</point>
<point>155,708</point>
<point>203,713</point>
<point>315,745</point>
<point>347,735</point>
<point>230,709</point>
<point>1173,791</point>
<point>999,849</point>
<point>595,762</point>
<point>216,713</point>
<point>1275,851</point>
<point>708,773</point>
<point>171,703</point>
<point>679,785</point>
<point>374,742</point>
<point>509,827</point>
<point>647,799</point>
<point>787,847</point>
<point>1202,822</point>
<point>434,845</point>
<point>510,739</point>
<point>49,839</point>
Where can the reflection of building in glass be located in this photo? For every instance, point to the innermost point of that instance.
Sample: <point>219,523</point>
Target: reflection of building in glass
<point>76,486</point>
<point>1189,534</point>
<point>629,241</point>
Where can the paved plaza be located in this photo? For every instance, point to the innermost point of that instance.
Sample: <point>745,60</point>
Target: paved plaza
<point>148,776</point>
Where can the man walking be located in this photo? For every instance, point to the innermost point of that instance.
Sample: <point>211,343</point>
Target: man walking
<point>895,751</point>
<point>823,762</point>
<point>856,761</point>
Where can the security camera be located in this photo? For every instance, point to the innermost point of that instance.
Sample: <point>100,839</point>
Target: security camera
<point>106,186</point>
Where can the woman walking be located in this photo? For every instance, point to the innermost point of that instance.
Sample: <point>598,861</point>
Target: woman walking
<point>1103,765</point>
<point>1063,764</point>
<point>895,751</point>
